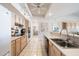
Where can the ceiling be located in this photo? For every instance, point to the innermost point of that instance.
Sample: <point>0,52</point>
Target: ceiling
<point>53,10</point>
<point>64,9</point>
<point>38,9</point>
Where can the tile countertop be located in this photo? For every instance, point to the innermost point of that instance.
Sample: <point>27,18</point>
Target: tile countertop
<point>65,51</point>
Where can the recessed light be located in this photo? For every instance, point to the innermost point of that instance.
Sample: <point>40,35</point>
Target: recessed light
<point>50,14</point>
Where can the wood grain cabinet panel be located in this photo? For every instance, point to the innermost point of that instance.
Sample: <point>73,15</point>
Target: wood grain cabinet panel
<point>13,48</point>
<point>53,50</point>
<point>18,46</point>
<point>23,42</point>
<point>50,49</point>
<point>56,51</point>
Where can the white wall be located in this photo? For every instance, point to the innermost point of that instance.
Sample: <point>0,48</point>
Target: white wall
<point>5,33</point>
<point>41,23</point>
<point>59,12</point>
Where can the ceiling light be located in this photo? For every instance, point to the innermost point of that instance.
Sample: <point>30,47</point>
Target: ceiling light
<point>38,5</point>
<point>50,14</point>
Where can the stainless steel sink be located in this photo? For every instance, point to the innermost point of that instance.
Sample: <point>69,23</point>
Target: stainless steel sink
<point>65,44</point>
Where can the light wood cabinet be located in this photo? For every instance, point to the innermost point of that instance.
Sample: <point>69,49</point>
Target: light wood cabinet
<point>23,21</point>
<point>13,48</point>
<point>50,48</point>
<point>56,51</point>
<point>23,42</point>
<point>18,45</point>
<point>17,19</point>
<point>18,48</point>
<point>26,25</point>
<point>64,25</point>
<point>13,20</point>
<point>53,50</point>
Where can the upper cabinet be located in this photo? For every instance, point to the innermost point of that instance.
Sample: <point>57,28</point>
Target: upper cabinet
<point>24,22</point>
<point>72,27</point>
<point>21,21</point>
<point>64,25</point>
<point>17,19</point>
<point>13,17</point>
<point>14,20</point>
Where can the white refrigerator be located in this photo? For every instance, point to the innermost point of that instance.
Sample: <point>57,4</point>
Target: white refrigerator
<point>5,31</point>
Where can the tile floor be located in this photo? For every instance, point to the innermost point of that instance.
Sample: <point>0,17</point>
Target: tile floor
<point>35,47</point>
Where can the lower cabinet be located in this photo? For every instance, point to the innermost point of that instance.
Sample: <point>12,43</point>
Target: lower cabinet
<point>53,51</point>
<point>18,46</point>
<point>23,42</point>
<point>56,51</point>
<point>13,48</point>
<point>50,49</point>
<point>46,45</point>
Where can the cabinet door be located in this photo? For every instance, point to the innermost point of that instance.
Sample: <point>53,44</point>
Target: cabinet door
<point>23,42</point>
<point>51,49</point>
<point>18,48</point>
<point>17,19</point>
<point>57,52</point>
<point>12,20</point>
<point>23,22</point>
<point>13,48</point>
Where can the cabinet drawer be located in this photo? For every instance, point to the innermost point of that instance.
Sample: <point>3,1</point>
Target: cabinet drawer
<point>13,48</point>
<point>18,46</point>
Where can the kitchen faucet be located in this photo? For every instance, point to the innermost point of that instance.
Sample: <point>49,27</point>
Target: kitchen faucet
<point>68,38</point>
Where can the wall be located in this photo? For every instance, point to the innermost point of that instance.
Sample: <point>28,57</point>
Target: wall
<point>54,21</point>
<point>41,24</point>
<point>57,21</point>
<point>5,32</point>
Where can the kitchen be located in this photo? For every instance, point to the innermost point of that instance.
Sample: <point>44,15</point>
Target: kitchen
<point>39,29</point>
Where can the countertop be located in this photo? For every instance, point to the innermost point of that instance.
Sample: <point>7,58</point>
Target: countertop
<point>70,34</point>
<point>65,51</point>
<point>15,37</point>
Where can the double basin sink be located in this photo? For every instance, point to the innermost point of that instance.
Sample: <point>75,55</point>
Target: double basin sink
<point>65,44</point>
